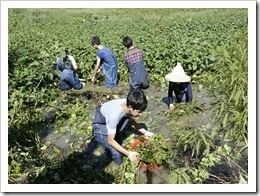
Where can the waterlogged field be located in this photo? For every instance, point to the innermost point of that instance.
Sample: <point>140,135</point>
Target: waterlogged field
<point>49,130</point>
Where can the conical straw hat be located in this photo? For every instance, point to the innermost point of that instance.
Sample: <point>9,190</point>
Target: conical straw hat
<point>177,75</point>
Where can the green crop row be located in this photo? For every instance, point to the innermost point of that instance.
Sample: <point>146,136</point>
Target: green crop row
<point>211,44</point>
<point>166,36</point>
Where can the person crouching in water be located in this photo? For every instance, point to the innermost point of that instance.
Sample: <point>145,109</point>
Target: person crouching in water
<point>180,83</point>
<point>110,120</point>
<point>68,76</point>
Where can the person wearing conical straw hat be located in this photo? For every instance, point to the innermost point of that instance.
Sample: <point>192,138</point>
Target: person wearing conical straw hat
<point>179,82</point>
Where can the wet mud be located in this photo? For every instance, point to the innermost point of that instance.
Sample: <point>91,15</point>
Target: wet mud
<point>157,104</point>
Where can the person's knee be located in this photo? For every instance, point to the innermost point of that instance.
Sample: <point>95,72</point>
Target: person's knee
<point>64,86</point>
<point>117,157</point>
<point>78,86</point>
<point>92,145</point>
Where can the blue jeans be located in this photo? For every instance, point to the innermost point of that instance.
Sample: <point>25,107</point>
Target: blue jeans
<point>116,156</point>
<point>110,76</point>
<point>69,80</point>
<point>138,78</point>
<point>99,131</point>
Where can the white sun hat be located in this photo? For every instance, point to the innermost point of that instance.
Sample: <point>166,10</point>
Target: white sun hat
<point>177,75</point>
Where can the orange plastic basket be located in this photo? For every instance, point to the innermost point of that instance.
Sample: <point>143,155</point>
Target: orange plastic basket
<point>137,141</point>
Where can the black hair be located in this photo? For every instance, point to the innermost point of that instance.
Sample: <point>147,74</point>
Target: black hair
<point>127,42</point>
<point>65,58</point>
<point>67,51</point>
<point>136,99</point>
<point>95,40</point>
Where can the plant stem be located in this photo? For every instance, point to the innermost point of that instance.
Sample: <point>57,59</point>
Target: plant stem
<point>217,178</point>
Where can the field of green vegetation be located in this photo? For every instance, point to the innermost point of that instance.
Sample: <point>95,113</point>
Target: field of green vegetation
<point>211,44</point>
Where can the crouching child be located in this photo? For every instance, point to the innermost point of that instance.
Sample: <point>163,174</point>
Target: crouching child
<point>180,84</point>
<point>112,117</point>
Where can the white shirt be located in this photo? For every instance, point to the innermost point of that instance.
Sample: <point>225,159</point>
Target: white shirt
<point>113,113</point>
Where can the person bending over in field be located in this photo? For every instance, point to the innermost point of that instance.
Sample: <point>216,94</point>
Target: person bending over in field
<point>179,82</point>
<point>107,61</point>
<point>68,67</point>
<point>138,78</point>
<point>111,118</point>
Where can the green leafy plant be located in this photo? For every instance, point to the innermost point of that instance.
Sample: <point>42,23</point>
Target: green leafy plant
<point>180,176</point>
<point>174,35</point>
<point>156,150</point>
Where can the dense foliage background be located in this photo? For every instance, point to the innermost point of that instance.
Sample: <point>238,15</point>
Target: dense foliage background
<point>211,44</point>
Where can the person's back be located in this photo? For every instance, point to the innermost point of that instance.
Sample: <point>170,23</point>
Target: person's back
<point>65,62</point>
<point>138,77</point>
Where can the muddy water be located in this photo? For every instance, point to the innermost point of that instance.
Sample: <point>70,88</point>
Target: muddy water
<point>157,104</point>
<point>94,95</point>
